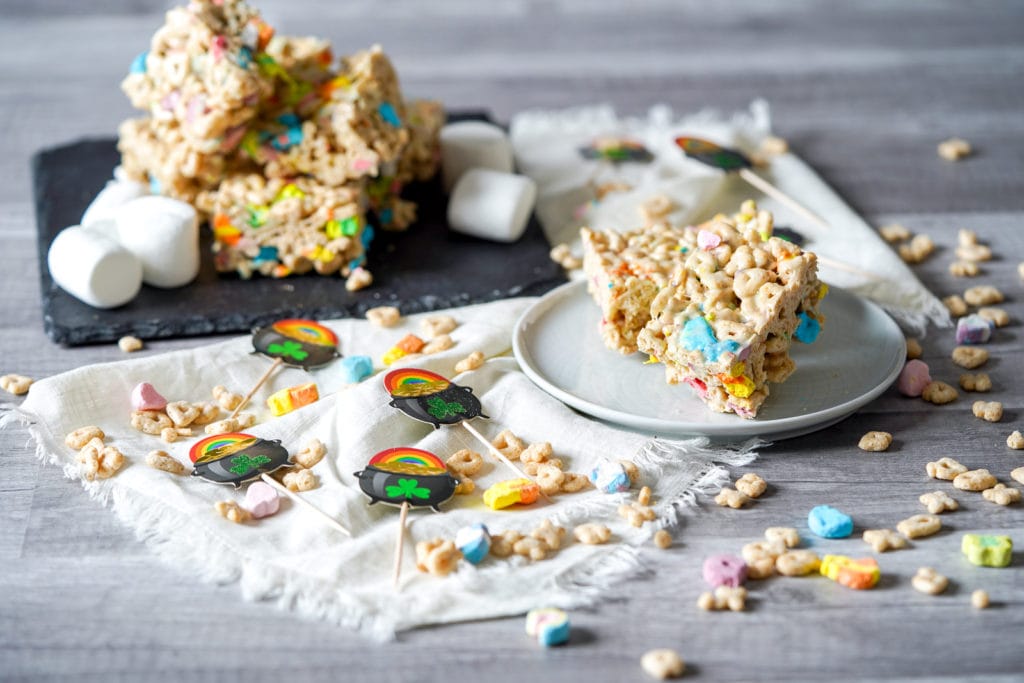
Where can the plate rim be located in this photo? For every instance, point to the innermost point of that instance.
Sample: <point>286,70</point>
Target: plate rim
<point>779,428</point>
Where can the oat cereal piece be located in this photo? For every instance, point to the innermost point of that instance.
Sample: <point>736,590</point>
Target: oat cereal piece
<point>724,597</point>
<point>82,436</point>
<point>787,536</point>
<point>929,581</point>
<point>531,547</point>
<point>300,480</point>
<point>232,511</point>
<point>751,485</point>
<point>225,426</point>
<point>437,556</point>
<point>956,305</point>
<point>946,469</point>
<point>88,458</point>
<point>913,348</point>
<point>1017,474</point>
<point>774,145</point>
<point>509,444</point>
<point>938,502</point>
<point>760,558</point>
<point>531,468</point>
<point>974,480</point>
<point>150,421</point>
<point>729,497</point>
<point>980,382</point>
<point>954,149</point>
<point>882,540</point>
<point>662,664</point>
<point>983,295</point>
<point>632,471</point>
<point>917,250</point>
<point>309,456</point>
<point>465,486</point>
<point>662,539</point>
<point>549,479</point>
<point>997,316</point>
<point>470,362</point>
<point>560,252</point>
<point>592,534</point>
<point>465,462</point>
<point>1001,494</point>
<point>360,278</point>
<point>894,232</point>
<point>965,237</point>
<point>636,514</point>
<point>1015,440</point>
<point>225,399</point>
<point>989,411</point>
<point>245,420</point>
<point>129,344</point>
<point>536,452</point>
<point>964,269</point>
<point>973,254</point>
<point>182,413</point>
<point>643,496</point>
<point>208,412</point>
<point>160,460</point>
<point>15,384</point>
<point>172,434</point>
<point>436,325</point>
<point>1020,270</point>
<point>939,393</point>
<point>441,342</point>
<point>503,543</point>
<point>875,442</point>
<point>797,563</point>
<point>979,599</point>
<point>383,316</point>
<point>655,209</point>
<point>919,526</point>
<point>574,482</point>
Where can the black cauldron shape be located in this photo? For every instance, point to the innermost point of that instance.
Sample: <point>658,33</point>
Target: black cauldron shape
<point>236,458</point>
<point>448,406</point>
<point>301,343</point>
<point>407,475</point>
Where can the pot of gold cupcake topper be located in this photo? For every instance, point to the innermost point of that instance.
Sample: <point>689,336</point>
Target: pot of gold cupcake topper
<point>732,160</point>
<point>616,150</point>
<point>297,342</point>
<point>406,477</point>
<point>236,458</point>
<point>428,397</point>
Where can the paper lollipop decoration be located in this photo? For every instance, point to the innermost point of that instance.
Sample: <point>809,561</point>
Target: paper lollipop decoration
<point>429,397</point>
<point>730,160</point>
<point>406,477</point>
<point>235,458</point>
<point>616,150</point>
<point>300,343</point>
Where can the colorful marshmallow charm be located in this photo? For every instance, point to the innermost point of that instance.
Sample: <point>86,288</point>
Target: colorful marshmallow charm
<point>549,625</point>
<point>92,267</point>
<point>261,500</point>
<point>491,205</point>
<point>610,477</point>
<point>146,397</point>
<point>725,570</point>
<point>511,491</point>
<point>828,522</point>
<point>986,550</point>
<point>856,574</point>
<point>474,542</point>
<point>473,144</point>
<point>292,398</point>
<point>356,368</point>
<point>914,377</point>
<point>973,329</point>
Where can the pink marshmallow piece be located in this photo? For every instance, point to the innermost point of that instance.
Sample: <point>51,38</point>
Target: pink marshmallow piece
<point>261,500</point>
<point>913,378</point>
<point>145,397</point>
<point>725,570</point>
<point>707,240</point>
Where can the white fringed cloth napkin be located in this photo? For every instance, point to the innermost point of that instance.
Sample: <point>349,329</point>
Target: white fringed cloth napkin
<point>300,564</point>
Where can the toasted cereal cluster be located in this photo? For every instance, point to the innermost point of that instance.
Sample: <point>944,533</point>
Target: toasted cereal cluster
<point>1001,494</point>
<point>875,441</point>
<point>160,460</point>
<point>538,462</point>
<point>917,249</point>
<point>724,597</point>
<point>882,540</point>
<point>990,411</point>
<point>437,556</point>
<point>99,461</point>
<point>974,480</point>
<point>15,384</point>
<point>980,382</point>
<point>929,581</point>
<point>227,100</point>
<point>1015,440</point>
<point>662,664</point>
<point>919,526</point>
<point>178,418</point>
<point>938,502</point>
<point>954,149</point>
<point>232,511</point>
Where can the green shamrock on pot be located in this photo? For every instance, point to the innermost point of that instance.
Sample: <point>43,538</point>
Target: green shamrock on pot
<point>442,409</point>
<point>288,348</point>
<point>407,488</point>
<point>244,464</point>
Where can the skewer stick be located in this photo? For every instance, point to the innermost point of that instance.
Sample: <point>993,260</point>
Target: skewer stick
<point>400,543</point>
<point>500,456</point>
<point>777,194</point>
<point>305,503</point>
<point>259,383</point>
<point>839,265</point>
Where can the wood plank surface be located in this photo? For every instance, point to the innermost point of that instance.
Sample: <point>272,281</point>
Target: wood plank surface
<point>863,90</point>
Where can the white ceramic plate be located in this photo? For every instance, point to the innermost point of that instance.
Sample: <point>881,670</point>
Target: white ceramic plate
<point>859,354</point>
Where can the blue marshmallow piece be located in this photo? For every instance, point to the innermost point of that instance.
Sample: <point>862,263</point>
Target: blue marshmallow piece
<point>474,542</point>
<point>807,330</point>
<point>388,113</point>
<point>549,625</point>
<point>827,522</point>
<point>356,368</point>
<point>610,477</point>
<point>698,335</point>
<point>139,63</point>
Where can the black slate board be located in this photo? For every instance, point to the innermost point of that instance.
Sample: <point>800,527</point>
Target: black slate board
<point>425,268</point>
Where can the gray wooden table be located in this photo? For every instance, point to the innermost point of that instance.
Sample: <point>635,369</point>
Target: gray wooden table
<point>863,91</point>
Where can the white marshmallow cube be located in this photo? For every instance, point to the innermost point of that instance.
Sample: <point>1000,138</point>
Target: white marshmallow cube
<point>164,234</point>
<point>473,144</point>
<point>492,205</point>
<point>94,268</point>
<point>116,194</point>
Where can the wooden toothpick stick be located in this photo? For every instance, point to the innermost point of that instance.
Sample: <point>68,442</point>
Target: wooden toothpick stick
<point>259,383</point>
<point>400,543</point>
<point>500,456</point>
<point>777,194</point>
<point>840,265</point>
<point>305,503</point>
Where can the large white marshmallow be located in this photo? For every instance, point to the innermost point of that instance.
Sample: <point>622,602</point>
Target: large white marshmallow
<point>473,144</point>
<point>492,205</point>
<point>94,268</point>
<point>116,194</point>
<point>164,234</point>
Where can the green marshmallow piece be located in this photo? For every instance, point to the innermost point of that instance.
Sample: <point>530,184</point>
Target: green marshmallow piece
<point>987,551</point>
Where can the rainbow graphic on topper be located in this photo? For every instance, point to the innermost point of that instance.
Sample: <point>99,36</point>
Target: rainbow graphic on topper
<point>407,457</point>
<point>308,331</point>
<point>414,382</point>
<point>218,446</point>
